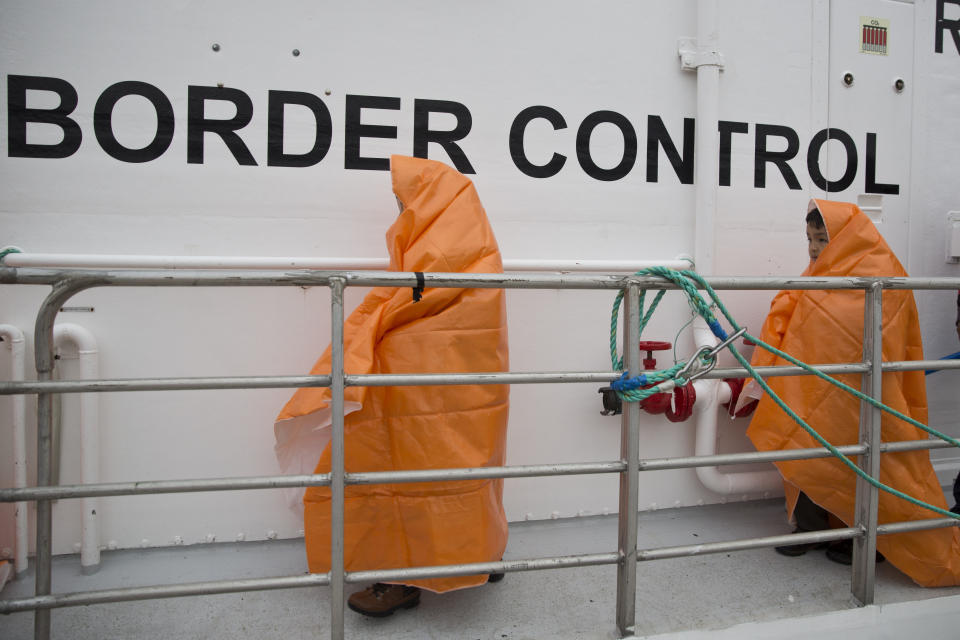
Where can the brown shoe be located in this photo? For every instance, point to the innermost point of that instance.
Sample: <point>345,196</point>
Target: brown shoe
<point>380,600</point>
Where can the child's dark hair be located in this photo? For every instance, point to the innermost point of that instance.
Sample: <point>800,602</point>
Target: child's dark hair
<point>816,219</point>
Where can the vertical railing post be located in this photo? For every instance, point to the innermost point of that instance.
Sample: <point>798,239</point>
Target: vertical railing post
<point>44,360</point>
<point>41,620</point>
<point>865,547</point>
<point>337,463</point>
<point>630,478</point>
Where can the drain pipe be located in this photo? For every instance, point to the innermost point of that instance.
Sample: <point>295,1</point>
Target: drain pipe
<point>710,395</point>
<point>13,338</point>
<point>87,353</point>
<point>702,55</point>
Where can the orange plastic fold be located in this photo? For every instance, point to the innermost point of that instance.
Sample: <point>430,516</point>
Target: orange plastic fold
<point>820,327</point>
<point>442,228</point>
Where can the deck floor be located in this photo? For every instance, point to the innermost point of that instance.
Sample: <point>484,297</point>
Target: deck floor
<point>688,597</point>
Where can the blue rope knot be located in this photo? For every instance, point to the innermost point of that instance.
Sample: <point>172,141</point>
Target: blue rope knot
<point>717,329</point>
<point>626,383</point>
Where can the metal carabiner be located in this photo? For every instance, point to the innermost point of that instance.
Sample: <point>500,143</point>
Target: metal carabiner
<point>713,352</point>
<point>694,364</point>
<point>705,359</point>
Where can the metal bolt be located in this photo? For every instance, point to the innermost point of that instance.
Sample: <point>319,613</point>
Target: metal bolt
<point>898,85</point>
<point>327,92</point>
<point>848,79</point>
<point>215,47</point>
<point>296,52</point>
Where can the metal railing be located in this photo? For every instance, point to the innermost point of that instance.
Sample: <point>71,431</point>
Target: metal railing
<point>67,283</point>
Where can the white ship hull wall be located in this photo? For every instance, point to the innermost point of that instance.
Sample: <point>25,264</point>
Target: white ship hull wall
<point>783,66</point>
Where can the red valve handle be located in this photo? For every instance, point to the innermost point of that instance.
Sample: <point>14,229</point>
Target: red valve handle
<point>654,345</point>
<point>650,346</point>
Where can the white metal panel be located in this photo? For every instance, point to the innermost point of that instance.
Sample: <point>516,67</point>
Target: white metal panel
<point>872,104</point>
<point>496,60</point>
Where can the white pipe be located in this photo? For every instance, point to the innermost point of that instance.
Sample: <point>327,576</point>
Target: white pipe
<point>13,338</point>
<point>710,395</point>
<point>84,261</point>
<point>707,137</point>
<point>87,353</point>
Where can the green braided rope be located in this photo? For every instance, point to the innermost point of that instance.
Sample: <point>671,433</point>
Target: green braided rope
<point>796,418</point>
<point>697,303</point>
<point>856,392</point>
<point>615,360</point>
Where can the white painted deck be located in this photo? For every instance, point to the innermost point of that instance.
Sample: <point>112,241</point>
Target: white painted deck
<point>750,594</point>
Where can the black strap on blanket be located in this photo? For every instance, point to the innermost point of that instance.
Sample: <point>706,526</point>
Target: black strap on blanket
<point>418,290</point>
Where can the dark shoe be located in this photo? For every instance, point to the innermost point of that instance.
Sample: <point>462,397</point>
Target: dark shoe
<point>380,600</point>
<point>795,550</point>
<point>841,552</point>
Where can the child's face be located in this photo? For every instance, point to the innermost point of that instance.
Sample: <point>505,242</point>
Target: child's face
<point>817,240</point>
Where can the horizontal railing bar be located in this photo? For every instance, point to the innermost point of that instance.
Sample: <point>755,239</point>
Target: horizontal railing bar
<point>151,487</point>
<point>749,457</point>
<point>784,371</point>
<point>438,475</point>
<point>281,382</point>
<point>916,525</point>
<point>913,445</point>
<point>316,480</point>
<point>438,379</point>
<point>834,369</point>
<point>253,278</point>
<point>477,568</point>
<point>163,384</point>
<point>827,535</point>
<point>104,596</point>
<point>474,473</point>
<point>508,566</point>
<point>920,365</point>
<point>416,379</point>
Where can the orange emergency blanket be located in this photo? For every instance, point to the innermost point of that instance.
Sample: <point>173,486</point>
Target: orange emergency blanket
<point>827,326</point>
<point>442,228</point>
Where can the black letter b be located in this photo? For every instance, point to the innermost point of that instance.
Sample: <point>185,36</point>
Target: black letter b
<point>18,116</point>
